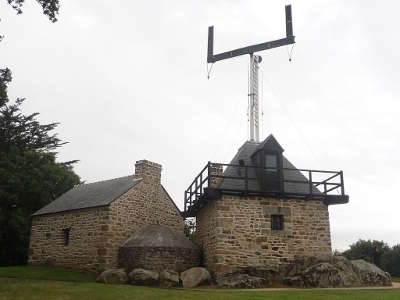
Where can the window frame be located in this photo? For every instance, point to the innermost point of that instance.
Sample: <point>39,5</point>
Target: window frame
<point>277,222</point>
<point>66,235</point>
<point>271,169</point>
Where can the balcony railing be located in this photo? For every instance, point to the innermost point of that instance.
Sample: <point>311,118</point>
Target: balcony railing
<point>217,178</point>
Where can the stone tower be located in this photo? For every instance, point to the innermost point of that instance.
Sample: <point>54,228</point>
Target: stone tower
<point>259,210</point>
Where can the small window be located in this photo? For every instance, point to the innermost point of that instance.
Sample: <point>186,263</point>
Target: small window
<point>271,162</point>
<point>277,222</point>
<point>66,232</point>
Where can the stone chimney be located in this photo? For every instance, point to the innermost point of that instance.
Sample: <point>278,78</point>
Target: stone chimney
<point>149,171</point>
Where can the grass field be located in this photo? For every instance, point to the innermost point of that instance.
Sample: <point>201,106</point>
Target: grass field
<point>56,283</point>
<point>46,273</point>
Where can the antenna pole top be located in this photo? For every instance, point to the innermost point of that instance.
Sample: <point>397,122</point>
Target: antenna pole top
<point>254,119</point>
<point>255,60</point>
<point>288,40</point>
<point>258,58</point>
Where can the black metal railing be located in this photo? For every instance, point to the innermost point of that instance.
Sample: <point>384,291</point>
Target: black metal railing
<point>308,184</point>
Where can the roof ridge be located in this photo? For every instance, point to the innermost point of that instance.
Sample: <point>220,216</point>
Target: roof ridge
<point>100,181</point>
<point>100,193</point>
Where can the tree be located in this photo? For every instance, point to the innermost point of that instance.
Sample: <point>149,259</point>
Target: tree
<point>370,251</point>
<point>5,78</point>
<point>30,177</point>
<point>391,261</point>
<point>50,7</point>
<point>377,252</point>
<point>190,228</point>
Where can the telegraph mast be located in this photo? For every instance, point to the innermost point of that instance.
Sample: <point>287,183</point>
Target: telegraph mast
<point>255,60</point>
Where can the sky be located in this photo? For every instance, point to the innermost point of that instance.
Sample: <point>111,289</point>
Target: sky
<point>127,80</point>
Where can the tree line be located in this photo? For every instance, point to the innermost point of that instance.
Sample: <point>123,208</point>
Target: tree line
<point>30,175</point>
<point>377,252</point>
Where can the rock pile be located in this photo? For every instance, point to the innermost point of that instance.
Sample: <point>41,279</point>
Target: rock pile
<point>324,271</point>
<point>112,276</point>
<point>167,278</point>
<point>334,271</point>
<point>240,280</point>
<point>250,277</point>
<point>195,276</point>
<point>370,274</point>
<point>144,277</point>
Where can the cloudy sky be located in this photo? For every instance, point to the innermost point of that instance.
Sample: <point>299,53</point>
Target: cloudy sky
<point>127,81</point>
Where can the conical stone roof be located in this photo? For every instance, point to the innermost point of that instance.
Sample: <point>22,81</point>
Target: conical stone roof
<point>154,236</point>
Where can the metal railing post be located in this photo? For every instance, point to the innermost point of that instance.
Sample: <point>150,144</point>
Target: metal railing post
<point>191,194</point>
<point>209,174</point>
<point>310,182</point>
<point>184,209</point>
<point>341,182</point>
<point>195,189</point>
<point>201,183</point>
<point>246,179</point>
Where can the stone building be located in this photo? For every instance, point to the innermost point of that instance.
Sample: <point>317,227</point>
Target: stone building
<point>159,248</point>
<point>84,228</point>
<point>260,210</point>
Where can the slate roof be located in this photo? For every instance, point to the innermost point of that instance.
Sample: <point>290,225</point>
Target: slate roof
<point>262,144</point>
<point>159,236</point>
<point>244,153</point>
<point>95,194</point>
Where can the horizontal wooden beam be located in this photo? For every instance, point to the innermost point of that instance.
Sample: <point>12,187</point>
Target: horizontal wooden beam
<point>211,58</point>
<point>250,49</point>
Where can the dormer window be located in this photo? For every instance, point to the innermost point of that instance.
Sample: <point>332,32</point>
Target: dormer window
<point>268,159</point>
<point>271,163</point>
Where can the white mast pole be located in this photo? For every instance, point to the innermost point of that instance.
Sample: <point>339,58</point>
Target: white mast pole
<point>254,111</point>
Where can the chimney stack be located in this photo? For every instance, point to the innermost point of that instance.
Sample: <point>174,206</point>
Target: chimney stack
<point>148,171</point>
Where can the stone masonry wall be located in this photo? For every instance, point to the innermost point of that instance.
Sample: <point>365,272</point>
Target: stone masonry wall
<point>144,205</point>
<point>242,234</point>
<point>206,233</point>
<point>97,233</point>
<point>148,203</point>
<point>86,243</point>
<point>158,258</point>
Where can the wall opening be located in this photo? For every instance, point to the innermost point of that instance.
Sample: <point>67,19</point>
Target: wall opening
<point>66,232</point>
<point>277,222</point>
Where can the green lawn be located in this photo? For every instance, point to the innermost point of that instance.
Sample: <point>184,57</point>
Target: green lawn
<point>47,273</point>
<point>19,287</point>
